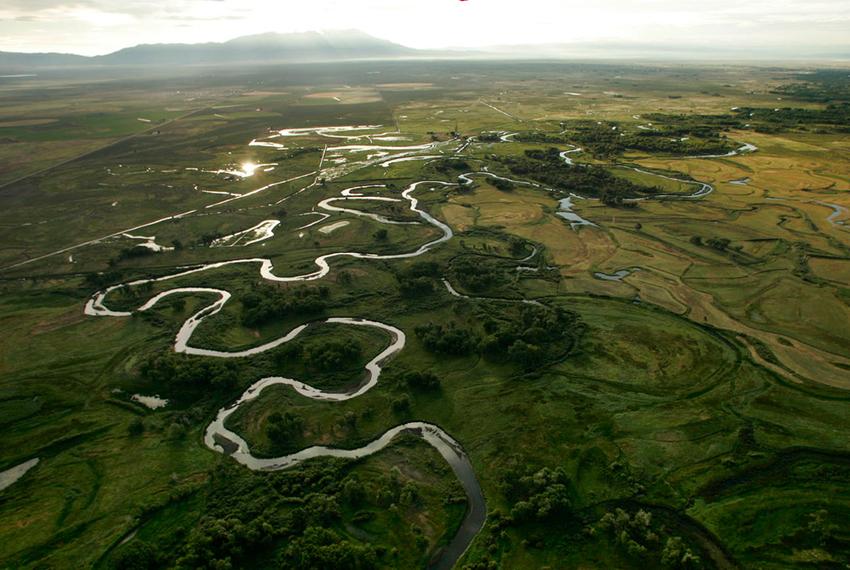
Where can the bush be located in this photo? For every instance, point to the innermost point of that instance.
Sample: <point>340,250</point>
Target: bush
<point>283,427</point>
<point>502,184</point>
<point>447,339</point>
<point>422,380</point>
<point>401,404</point>
<point>333,354</point>
<point>137,555</point>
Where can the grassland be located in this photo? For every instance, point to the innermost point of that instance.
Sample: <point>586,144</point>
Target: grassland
<point>692,415</point>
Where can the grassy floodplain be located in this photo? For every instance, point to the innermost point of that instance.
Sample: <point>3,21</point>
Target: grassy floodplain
<point>663,383</point>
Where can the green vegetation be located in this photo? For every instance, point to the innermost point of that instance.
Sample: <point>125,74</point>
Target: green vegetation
<point>607,140</point>
<point>664,387</point>
<point>589,180</point>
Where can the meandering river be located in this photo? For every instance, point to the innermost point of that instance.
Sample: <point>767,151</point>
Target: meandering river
<point>219,438</point>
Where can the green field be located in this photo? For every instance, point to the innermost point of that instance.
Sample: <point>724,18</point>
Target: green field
<point>690,413</point>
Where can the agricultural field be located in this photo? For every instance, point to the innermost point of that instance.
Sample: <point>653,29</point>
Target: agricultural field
<point>426,315</point>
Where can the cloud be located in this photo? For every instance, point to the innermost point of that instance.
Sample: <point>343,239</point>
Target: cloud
<point>98,26</point>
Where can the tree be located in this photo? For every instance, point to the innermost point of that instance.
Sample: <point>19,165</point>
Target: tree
<point>422,380</point>
<point>136,427</point>
<point>323,549</point>
<point>720,244</point>
<point>541,495</point>
<point>516,245</point>
<point>401,404</point>
<point>447,339</point>
<point>332,354</point>
<point>381,234</point>
<point>529,356</point>
<point>677,555</point>
<point>137,555</point>
<point>503,184</point>
<point>820,528</point>
<point>282,427</point>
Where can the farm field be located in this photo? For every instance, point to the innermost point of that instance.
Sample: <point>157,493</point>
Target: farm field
<point>426,315</point>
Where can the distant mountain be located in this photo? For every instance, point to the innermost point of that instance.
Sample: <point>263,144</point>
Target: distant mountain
<point>12,59</point>
<point>353,44</point>
<point>270,47</point>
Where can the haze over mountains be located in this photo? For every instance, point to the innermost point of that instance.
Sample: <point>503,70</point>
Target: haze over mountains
<point>268,47</point>
<point>342,45</point>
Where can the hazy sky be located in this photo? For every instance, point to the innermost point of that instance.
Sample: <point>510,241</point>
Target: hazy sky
<point>100,26</point>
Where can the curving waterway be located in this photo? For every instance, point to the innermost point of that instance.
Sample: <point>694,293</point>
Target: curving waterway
<point>219,438</point>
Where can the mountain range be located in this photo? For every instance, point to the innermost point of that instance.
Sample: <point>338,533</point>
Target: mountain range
<point>260,48</point>
<point>342,45</point>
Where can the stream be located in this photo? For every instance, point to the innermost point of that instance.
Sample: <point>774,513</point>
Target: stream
<point>219,438</point>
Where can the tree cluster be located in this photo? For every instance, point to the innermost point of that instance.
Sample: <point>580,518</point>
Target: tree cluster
<point>418,278</point>
<point>280,520</point>
<point>682,139</point>
<point>502,184</point>
<point>548,167</point>
<point>332,354</point>
<point>539,334</point>
<point>265,304</point>
<point>170,368</point>
<point>636,535</point>
<point>476,273</point>
<point>538,495</point>
<point>280,428</point>
<point>418,380</point>
<point>448,339</point>
<point>451,166</point>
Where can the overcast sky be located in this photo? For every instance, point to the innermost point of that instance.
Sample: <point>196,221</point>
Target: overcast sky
<point>99,26</point>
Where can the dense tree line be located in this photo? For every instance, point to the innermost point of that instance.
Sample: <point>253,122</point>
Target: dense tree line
<point>541,138</point>
<point>265,304</point>
<point>820,86</point>
<point>419,278</point>
<point>548,167</point>
<point>321,355</point>
<point>489,137</point>
<point>448,339</point>
<point>608,140</point>
<point>333,354</point>
<point>529,336</point>
<point>539,334</point>
<point>832,118</point>
<point>476,273</point>
<point>187,372</point>
<point>451,165</point>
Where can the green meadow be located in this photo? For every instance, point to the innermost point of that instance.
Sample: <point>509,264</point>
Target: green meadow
<point>689,412</point>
